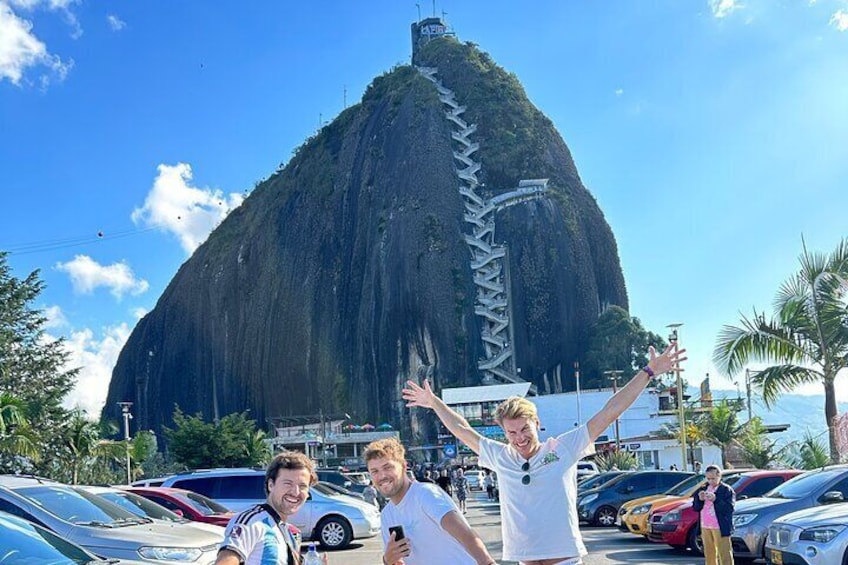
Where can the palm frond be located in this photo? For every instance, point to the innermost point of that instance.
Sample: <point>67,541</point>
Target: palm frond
<point>757,340</point>
<point>778,379</point>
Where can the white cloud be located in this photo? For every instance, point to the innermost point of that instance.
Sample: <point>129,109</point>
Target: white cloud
<point>95,359</point>
<point>190,213</point>
<point>839,20</point>
<point>116,23</point>
<point>139,312</point>
<point>87,275</point>
<point>20,49</point>
<point>55,317</point>
<point>619,91</point>
<point>722,8</point>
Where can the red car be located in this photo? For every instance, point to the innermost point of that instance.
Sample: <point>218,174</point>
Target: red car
<point>187,504</point>
<point>674,523</point>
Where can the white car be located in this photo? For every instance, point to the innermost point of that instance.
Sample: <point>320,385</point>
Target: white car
<point>586,469</point>
<point>475,479</point>
<point>327,517</point>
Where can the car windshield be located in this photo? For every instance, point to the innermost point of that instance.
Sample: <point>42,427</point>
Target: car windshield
<point>79,507</point>
<point>804,485</point>
<point>598,480</point>
<point>140,506</point>
<point>202,504</point>
<point>325,490</point>
<point>685,486</point>
<point>27,543</point>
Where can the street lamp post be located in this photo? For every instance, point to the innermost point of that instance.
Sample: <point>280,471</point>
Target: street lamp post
<point>125,412</point>
<point>748,392</point>
<point>613,376</point>
<point>681,418</point>
<point>577,378</point>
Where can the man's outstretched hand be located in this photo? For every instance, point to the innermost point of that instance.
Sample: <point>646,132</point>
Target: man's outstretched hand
<point>416,395</point>
<point>665,362</point>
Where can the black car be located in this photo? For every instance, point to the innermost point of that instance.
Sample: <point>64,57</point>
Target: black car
<point>339,479</point>
<point>597,480</point>
<point>599,506</point>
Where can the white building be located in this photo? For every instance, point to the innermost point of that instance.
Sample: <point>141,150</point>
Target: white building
<point>640,428</point>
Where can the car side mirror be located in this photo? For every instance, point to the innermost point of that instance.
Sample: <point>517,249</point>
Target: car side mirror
<point>179,513</point>
<point>832,496</point>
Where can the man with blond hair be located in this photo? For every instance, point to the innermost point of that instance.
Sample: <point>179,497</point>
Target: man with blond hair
<point>261,535</point>
<point>434,533</point>
<point>538,481</point>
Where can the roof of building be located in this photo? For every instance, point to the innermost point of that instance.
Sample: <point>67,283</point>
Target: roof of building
<point>492,393</point>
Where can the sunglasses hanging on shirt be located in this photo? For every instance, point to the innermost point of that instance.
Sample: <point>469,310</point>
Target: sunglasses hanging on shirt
<point>526,468</point>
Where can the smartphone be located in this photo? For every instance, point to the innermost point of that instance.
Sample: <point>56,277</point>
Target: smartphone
<point>398,530</point>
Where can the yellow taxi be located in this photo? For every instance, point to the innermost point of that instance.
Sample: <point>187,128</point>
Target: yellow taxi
<point>633,515</point>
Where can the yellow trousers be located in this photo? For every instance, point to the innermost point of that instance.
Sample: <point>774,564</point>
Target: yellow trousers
<point>717,549</point>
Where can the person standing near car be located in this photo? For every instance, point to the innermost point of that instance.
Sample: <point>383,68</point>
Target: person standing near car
<point>261,535</point>
<point>460,486</point>
<point>431,531</point>
<point>538,481</point>
<point>715,502</point>
<point>444,482</point>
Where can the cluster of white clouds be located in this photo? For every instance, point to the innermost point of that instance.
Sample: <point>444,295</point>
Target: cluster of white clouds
<point>188,212</point>
<point>723,8</point>
<point>87,275</point>
<point>20,48</point>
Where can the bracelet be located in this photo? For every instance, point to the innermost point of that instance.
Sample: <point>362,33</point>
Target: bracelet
<point>648,370</point>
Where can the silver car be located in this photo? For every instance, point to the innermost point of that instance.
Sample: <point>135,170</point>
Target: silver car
<point>101,527</point>
<point>753,516</point>
<point>25,542</point>
<point>815,536</point>
<point>327,517</point>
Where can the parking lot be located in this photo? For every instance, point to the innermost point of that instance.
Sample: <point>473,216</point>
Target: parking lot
<point>607,546</point>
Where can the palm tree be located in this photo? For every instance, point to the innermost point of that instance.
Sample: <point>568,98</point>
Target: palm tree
<point>805,342</point>
<point>720,426</point>
<point>809,454</point>
<point>16,438</point>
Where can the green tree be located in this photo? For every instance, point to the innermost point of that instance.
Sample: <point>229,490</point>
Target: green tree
<point>809,454</point>
<point>759,451</point>
<point>232,442</point>
<point>31,367</point>
<point>805,342</point>
<point>622,460</point>
<point>720,426</point>
<point>617,341</point>
<point>16,437</point>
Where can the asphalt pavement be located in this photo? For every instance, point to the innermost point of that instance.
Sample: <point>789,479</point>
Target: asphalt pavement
<point>607,546</point>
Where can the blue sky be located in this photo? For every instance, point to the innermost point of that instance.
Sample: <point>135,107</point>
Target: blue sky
<point>712,134</point>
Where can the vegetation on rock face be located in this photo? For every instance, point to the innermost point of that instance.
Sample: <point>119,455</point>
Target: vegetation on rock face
<point>346,272</point>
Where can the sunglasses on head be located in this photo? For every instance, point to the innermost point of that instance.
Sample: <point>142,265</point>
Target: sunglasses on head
<point>526,478</point>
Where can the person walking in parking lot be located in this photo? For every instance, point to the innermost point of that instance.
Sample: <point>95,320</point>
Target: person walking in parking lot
<point>433,532</point>
<point>538,481</point>
<point>260,535</point>
<point>460,486</point>
<point>715,501</point>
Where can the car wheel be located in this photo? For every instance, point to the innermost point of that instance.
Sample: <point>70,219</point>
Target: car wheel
<point>334,533</point>
<point>694,541</point>
<point>605,516</point>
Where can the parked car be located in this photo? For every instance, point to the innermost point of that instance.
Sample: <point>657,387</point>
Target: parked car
<point>674,523</point>
<point>475,478</point>
<point>586,469</point>
<point>753,516</point>
<point>814,536</point>
<point>141,506</point>
<point>103,528</point>
<point>340,479</point>
<point>22,541</point>
<point>186,503</point>
<point>633,514</point>
<point>599,506</point>
<point>597,480</point>
<point>341,490</point>
<point>332,519</point>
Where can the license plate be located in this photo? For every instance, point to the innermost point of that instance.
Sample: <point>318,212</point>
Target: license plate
<point>776,557</point>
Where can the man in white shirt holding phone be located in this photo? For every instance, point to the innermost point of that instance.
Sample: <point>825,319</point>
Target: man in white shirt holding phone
<point>421,524</point>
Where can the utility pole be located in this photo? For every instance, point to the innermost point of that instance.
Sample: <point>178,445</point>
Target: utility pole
<point>125,412</point>
<point>681,417</point>
<point>613,376</point>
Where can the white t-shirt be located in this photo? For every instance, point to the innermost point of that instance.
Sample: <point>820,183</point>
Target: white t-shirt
<point>539,520</point>
<point>420,512</point>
